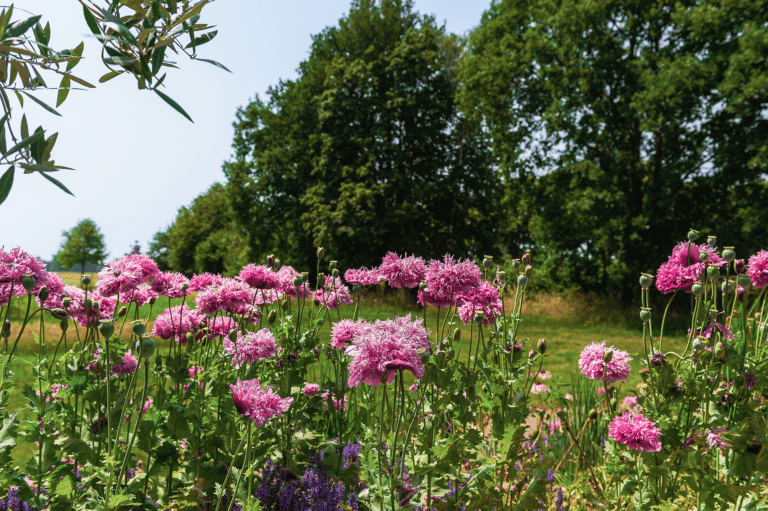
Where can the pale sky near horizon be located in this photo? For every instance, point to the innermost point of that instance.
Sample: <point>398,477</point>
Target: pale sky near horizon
<point>137,160</point>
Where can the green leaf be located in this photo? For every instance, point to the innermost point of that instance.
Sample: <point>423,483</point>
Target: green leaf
<point>21,26</point>
<point>3,147</point>
<point>23,143</point>
<point>121,29</point>
<point>24,127</point>
<point>217,64</point>
<point>57,183</point>
<point>91,21</point>
<point>199,41</point>
<point>158,57</point>
<point>39,167</point>
<point>49,147</point>
<point>6,437</point>
<point>39,102</point>
<point>64,488</point>
<point>118,500</point>
<point>121,61</point>
<point>173,104</point>
<point>77,52</point>
<point>63,91</point>
<point>107,77</point>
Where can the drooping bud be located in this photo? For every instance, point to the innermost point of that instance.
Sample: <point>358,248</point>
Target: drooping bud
<point>529,271</point>
<point>531,355</point>
<point>271,261</point>
<point>745,281</point>
<point>272,316</point>
<point>526,259</point>
<point>64,324</point>
<point>487,261</point>
<point>696,289</point>
<point>739,265</point>
<point>86,280</point>
<point>729,254</point>
<point>138,328</point>
<point>704,256</point>
<point>320,280</point>
<point>713,272</point>
<point>152,300</point>
<point>457,335</point>
<point>107,328</point>
<point>58,314</point>
<point>645,314</point>
<point>693,235</point>
<point>608,356</point>
<point>522,281</point>
<point>43,294</point>
<point>542,346</point>
<point>646,280</point>
<point>320,253</point>
<point>122,312</point>
<point>6,329</point>
<point>29,283</point>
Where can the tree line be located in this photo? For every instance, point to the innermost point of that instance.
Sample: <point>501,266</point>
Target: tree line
<point>592,135</point>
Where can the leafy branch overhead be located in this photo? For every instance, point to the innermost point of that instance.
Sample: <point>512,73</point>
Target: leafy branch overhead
<point>137,39</point>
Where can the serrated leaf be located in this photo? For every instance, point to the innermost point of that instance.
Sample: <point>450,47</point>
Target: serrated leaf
<point>217,64</point>
<point>42,104</point>
<point>64,488</point>
<point>119,500</point>
<point>174,105</point>
<point>5,184</point>
<point>57,183</point>
<point>63,91</point>
<point>6,438</point>
<point>17,29</point>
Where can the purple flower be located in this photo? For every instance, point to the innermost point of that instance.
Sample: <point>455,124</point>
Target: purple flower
<point>707,331</point>
<point>127,366</point>
<point>483,299</point>
<point>593,366</point>
<point>400,272</point>
<point>257,404</point>
<point>758,269</point>
<point>260,277</point>
<point>203,280</point>
<point>169,284</point>
<point>344,331</point>
<point>363,276</point>
<point>176,322</point>
<point>250,348</point>
<point>223,297</point>
<point>445,280</point>
<point>333,294</point>
<point>635,431</point>
<point>685,267</point>
<point>14,265</point>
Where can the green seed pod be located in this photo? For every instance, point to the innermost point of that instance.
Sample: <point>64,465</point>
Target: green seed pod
<point>593,414</point>
<point>95,306</point>
<point>422,285</point>
<point>29,283</point>
<point>522,281</point>
<point>646,280</point>
<point>698,345</point>
<point>711,240</point>
<point>645,314</point>
<point>320,253</point>
<point>331,266</point>
<point>357,288</point>
<point>516,264</point>
<point>424,356</point>
<point>304,277</point>
<point>86,280</point>
<point>298,281</point>
<point>727,287</point>
<point>487,261</point>
<point>479,317</point>
<point>138,328</point>
<point>152,300</point>
<point>233,336</point>
<point>745,281</point>
<point>147,349</point>
<point>6,329</point>
<point>713,272</point>
<point>64,324</point>
<point>704,256</point>
<point>107,328</point>
<point>66,301</point>
<point>729,254</point>
<point>335,273</point>
<point>184,287</point>
<point>693,235</point>
<point>43,294</point>
<point>696,289</point>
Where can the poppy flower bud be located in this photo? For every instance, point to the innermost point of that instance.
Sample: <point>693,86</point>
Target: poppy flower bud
<point>711,240</point>
<point>331,266</point>
<point>58,314</point>
<point>146,347</point>
<point>645,314</point>
<point>720,352</point>
<point>516,264</point>
<point>66,301</point>
<point>422,285</point>
<point>713,272</point>
<point>6,329</point>
<point>646,280</point>
<point>739,265</point>
<point>107,328</point>
<point>320,253</point>
<point>704,256</point>
<point>95,306</point>
<point>529,271</point>
<point>745,281</point>
<point>272,316</point>
<point>526,259</point>
<point>696,289</point>
<point>522,281</point>
<point>86,280</point>
<point>487,261</point>
<point>64,324</point>
<point>424,356</point>
<point>122,312</point>
<point>457,335</point>
<point>608,356</point>
<point>29,283</point>
<point>320,280</point>
<point>233,336</point>
<point>531,355</point>
<point>692,235</point>
<point>271,261</point>
<point>152,300</point>
<point>593,414</point>
<point>729,254</point>
<point>43,294</point>
<point>335,273</point>
<point>542,346</point>
<point>356,288</point>
<point>190,337</point>
<point>138,328</point>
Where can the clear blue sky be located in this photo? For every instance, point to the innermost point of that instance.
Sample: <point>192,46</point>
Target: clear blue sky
<point>137,161</point>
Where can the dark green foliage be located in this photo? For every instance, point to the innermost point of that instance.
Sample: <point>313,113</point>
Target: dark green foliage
<point>366,152</point>
<point>622,123</point>
<point>82,244</point>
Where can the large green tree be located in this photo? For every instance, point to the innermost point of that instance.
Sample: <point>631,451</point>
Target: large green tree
<point>621,124</point>
<point>366,151</point>
<point>82,244</point>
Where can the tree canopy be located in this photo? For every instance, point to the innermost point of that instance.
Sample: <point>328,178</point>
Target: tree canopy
<point>82,244</point>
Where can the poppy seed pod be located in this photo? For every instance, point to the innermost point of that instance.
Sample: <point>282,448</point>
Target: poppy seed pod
<point>522,281</point>
<point>542,346</point>
<point>479,316</point>
<point>43,294</point>
<point>138,328</point>
<point>320,253</point>
<point>304,277</point>
<point>646,280</point>
<point>66,301</point>
<point>516,264</point>
<point>64,324</point>
<point>95,306</point>
<point>487,261</point>
<point>712,314</point>
<point>696,289</point>
<point>727,287</point>
<point>298,281</point>
<point>693,235</point>
<point>146,347</point>
<point>729,254</point>
<point>184,286</point>
<point>745,281</point>
<point>331,266</point>
<point>711,240</point>
<point>645,314</point>
<point>713,272</point>
<point>422,285</point>
<point>107,328</point>
<point>190,337</point>
<point>86,280</point>
<point>698,345</point>
<point>29,283</point>
<point>335,273</point>
<point>320,280</point>
<point>704,256</point>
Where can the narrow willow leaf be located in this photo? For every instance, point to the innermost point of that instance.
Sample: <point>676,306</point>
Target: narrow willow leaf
<point>77,52</point>
<point>91,21</point>
<point>63,91</point>
<point>107,77</point>
<point>6,181</point>
<point>217,64</point>
<point>17,29</point>
<point>39,102</point>
<point>120,61</point>
<point>57,183</point>
<point>24,127</point>
<point>199,41</point>
<point>49,147</point>
<point>29,168</point>
<point>173,104</point>
<point>23,143</point>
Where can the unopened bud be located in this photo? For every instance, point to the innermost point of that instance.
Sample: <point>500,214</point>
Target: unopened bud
<point>43,294</point>
<point>424,356</point>
<point>645,314</point>
<point>66,301</point>
<point>233,336</point>
<point>320,253</point>
<point>696,289</point>
<point>122,312</point>
<point>320,280</point>
<point>692,235</point>
<point>107,328</point>
<point>272,316</point>
<point>334,273</point>
<point>526,259</point>
<point>745,281</point>
<point>739,265</point>
<point>146,348</point>
<point>522,281</point>
<point>6,329</point>
<point>720,351</point>
<point>713,272</point>
<point>531,355</point>
<point>704,256</point>
<point>487,261</point>
<point>64,324</point>
<point>356,288</point>
<point>608,356</point>
<point>457,335</point>
<point>29,283</point>
<point>331,266</point>
<point>646,280</point>
<point>58,314</point>
<point>271,261</point>
<point>593,414</point>
<point>152,300</point>
<point>190,337</point>
<point>138,328</point>
<point>729,254</point>
<point>529,271</point>
<point>516,264</point>
<point>86,280</point>
<point>542,346</point>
